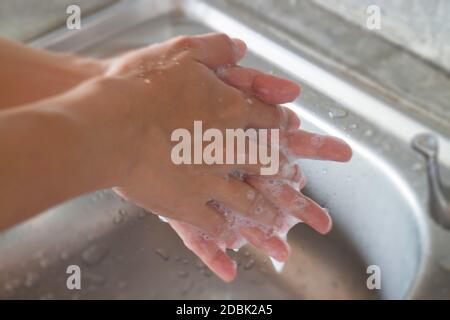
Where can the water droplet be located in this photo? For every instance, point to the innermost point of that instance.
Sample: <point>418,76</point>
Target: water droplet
<point>94,279</point>
<point>200,265</point>
<point>30,279</point>
<point>183,274</point>
<point>249,264</point>
<point>257,281</point>
<point>47,296</point>
<point>337,113</point>
<point>187,288</point>
<point>142,214</point>
<point>64,255</point>
<point>249,101</point>
<point>386,146</point>
<point>42,260</point>
<point>444,263</point>
<point>94,253</point>
<point>118,219</point>
<point>353,126</point>
<point>207,273</point>
<point>44,263</point>
<point>8,287</point>
<point>147,81</point>
<point>163,254</point>
<point>368,132</point>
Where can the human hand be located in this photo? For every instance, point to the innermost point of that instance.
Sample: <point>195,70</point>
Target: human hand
<point>284,194</point>
<point>168,86</point>
<point>163,68</point>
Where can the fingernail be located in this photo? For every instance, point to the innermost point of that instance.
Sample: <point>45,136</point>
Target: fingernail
<point>239,48</point>
<point>225,268</point>
<point>293,120</point>
<point>284,118</point>
<point>220,71</point>
<point>281,255</point>
<point>288,119</point>
<point>261,91</point>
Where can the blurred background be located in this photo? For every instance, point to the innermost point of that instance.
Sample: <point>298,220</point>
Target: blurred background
<point>420,26</point>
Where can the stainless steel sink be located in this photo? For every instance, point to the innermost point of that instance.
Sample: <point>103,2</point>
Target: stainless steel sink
<point>378,201</point>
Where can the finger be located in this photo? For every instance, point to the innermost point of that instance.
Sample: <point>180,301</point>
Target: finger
<point>207,250</point>
<point>260,237</point>
<point>243,199</point>
<point>288,199</point>
<point>249,162</point>
<point>303,144</point>
<point>208,220</point>
<point>281,170</point>
<point>273,246</point>
<point>302,180</point>
<point>293,121</point>
<point>213,49</point>
<point>288,171</point>
<point>262,115</point>
<point>267,88</point>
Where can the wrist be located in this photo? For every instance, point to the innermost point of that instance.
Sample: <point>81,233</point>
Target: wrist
<point>77,69</point>
<point>101,113</point>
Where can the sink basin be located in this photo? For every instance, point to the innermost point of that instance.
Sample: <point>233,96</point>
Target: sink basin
<point>378,200</point>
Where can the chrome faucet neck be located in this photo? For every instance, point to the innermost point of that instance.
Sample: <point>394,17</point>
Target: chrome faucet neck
<point>439,197</point>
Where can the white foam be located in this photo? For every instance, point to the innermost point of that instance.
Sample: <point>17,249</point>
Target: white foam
<point>317,141</point>
<point>277,265</point>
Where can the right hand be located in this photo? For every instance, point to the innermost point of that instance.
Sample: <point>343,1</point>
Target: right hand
<point>284,192</point>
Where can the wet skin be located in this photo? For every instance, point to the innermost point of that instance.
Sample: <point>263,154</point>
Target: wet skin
<point>107,124</point>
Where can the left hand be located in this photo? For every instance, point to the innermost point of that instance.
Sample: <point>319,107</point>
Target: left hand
<point>281,193</point>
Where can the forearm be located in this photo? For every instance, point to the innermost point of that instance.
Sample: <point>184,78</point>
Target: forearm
<point>29,74</point>
<point>60,148</point>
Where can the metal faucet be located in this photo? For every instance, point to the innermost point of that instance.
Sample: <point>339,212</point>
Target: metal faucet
<point>439,201</point>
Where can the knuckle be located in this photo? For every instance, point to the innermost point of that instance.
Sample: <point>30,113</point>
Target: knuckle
<point>223,37</point>
<point>256,204</point>
<point>186,42</point>
<point>232,108</point>
<point>282,117</point>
